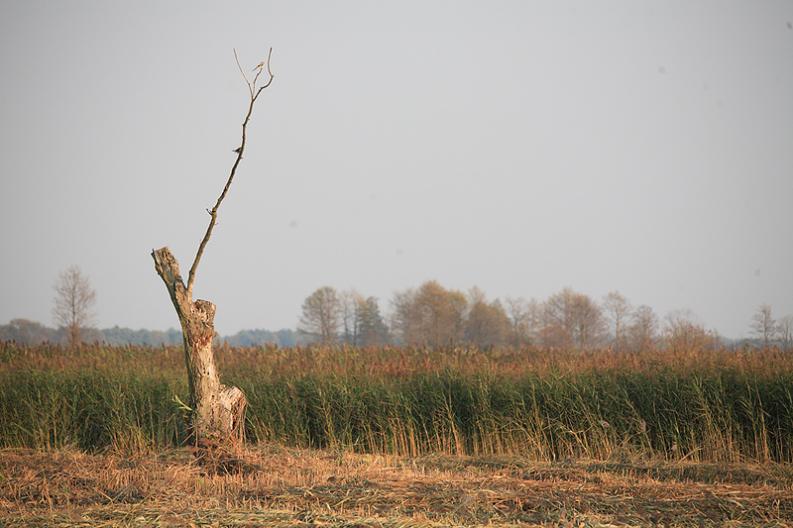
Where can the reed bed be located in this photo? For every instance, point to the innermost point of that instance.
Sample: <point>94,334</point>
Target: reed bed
<point>549,405</point>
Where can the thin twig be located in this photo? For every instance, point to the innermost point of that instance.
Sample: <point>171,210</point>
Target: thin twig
<point>254,94</point>
<point>269,72</point>
<point>242,72</point>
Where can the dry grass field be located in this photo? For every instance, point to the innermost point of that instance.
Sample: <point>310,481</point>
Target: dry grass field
<point>402,437</point>
<point>280,486</point>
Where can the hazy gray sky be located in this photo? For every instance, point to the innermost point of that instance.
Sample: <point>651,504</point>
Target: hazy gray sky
<point>518,146</point>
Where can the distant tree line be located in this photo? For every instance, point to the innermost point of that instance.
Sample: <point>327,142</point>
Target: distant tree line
<point>286,337</point>
<point>434,316</point>
<point>430,316</point>
<point>329,317</point>
<point>30,332</point>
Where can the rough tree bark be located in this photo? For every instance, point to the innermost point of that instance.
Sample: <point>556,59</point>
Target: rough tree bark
<point>218,411</point>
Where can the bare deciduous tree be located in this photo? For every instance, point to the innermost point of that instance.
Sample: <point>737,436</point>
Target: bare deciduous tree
<point>643,329</point>
<point>763,324</point>
<point>322,315</point>
<point>617,309</point>
<point>525,320</point>
<point>218,411</point>
<point>349,301</point>
<point>518,312</point>
<point>784,330</point>
<point>74,302</point>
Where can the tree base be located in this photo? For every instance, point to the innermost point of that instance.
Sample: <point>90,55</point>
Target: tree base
<point>218,411</point>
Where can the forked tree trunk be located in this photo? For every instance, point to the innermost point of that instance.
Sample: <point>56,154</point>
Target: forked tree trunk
<point>218,411</point>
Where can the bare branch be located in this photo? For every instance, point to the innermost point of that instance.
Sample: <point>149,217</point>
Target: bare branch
<point>239,151</point>
<point>269,55</point>
<point>242,72</point>
<point>269,72</point>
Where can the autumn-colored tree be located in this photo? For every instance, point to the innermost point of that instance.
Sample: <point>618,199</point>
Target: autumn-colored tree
<point>486,324</point>
<point>572,320</point>
<point>683,333</point>
<point>429,316</point>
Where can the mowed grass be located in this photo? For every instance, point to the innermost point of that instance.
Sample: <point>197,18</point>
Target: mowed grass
<point>289,487</point>
<point>544,405</point>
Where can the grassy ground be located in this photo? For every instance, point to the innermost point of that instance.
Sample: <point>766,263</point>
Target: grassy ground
<point>403,437</point>
<point>280,486</point>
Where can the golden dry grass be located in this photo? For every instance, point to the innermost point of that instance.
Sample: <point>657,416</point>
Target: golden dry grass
<point>281,486</point>
<point>390,362</point>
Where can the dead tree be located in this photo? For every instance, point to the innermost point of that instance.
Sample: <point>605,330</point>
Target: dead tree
<point>218,411</point>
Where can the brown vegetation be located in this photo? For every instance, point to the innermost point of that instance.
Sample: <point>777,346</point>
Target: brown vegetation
<point>289,487</point>
<point>391,362</point>
<point>623,473</point>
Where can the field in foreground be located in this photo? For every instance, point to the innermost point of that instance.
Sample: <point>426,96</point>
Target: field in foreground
<point>282,486</point>
<point>701,405</point>
<point>403,437</point>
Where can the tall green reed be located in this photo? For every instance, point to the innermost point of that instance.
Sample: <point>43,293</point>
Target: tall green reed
<point>719,408</point>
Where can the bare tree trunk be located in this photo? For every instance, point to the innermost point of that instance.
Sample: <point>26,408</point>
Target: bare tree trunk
<point>74,335</point>
<point>218,411</point>
<point>218,419</point>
